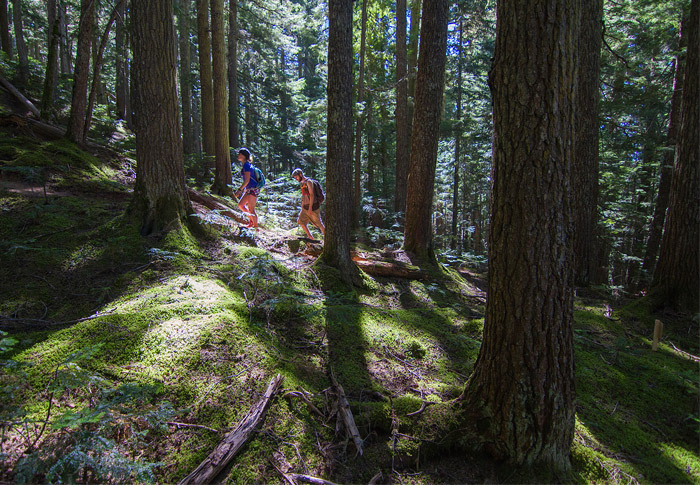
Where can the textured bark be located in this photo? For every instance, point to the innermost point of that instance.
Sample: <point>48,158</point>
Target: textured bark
<point>676,279</point>
<point>159,194</point>
<point>205,73</point>
<point>426,129</point>
<point>122,80</point>
<point>22,52</point>
<point>358,128</point>
<point>5,42</point>
<point>666,170</point>
<point>186,76</point>
<point>402,120</point>
<point>222,175</point>
<point>48,94</point>
<point>336,247</point>
<point>458,139</point>
<point>65,48</point>
<point>76,122</point>
<point>587,133</point>
<point>413,48</point>
<point>521,394</point>
<point>232,73</point>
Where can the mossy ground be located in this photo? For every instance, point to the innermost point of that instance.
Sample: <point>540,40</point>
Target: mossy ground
<point>213,321</point>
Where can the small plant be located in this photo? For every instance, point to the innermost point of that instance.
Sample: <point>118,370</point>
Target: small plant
<point>416,350</point>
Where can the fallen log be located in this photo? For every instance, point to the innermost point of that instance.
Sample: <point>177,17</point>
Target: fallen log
<point>346,414</point>
<point>212,204</point>
<point>207,471</point>
<point>20,97</point>
<point>391,269</point>
<point>297,477</point>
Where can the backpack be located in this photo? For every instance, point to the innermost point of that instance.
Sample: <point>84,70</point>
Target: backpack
<point>259,177</point>
<point>319,194</point>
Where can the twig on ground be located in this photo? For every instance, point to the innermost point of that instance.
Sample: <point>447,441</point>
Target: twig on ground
<point>423,405</point>
<point>309,479</point>
<point>186,425</point>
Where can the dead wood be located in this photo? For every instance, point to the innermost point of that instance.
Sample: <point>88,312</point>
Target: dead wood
<point>391,269</point>
<point>346,414</point>
<point>20,97</point>
<point>692,357</point>
<point>302,395</point>
<point>234,441</point>
<point>212,204</point>
<point>308,479</point>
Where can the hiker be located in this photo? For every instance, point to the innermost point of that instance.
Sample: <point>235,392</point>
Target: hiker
<point>311,197</point>
<point>249,189</point>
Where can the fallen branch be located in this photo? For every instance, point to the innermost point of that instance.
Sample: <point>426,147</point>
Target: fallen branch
<point>393,269</point>
<point>346,414</point>
<point>212,204</point>
<point>308,479</point>
<point>423,405</point>
<point>692,357</point>
<point>234,441</point>
<point>303,397</point>
<point>22,99</point>
<point>186,425</point>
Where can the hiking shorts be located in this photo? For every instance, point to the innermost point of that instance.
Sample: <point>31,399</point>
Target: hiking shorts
<point>314,217</point>
<point>255,192</point>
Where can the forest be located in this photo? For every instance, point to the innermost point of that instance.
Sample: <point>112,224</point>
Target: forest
<point>500,283</point>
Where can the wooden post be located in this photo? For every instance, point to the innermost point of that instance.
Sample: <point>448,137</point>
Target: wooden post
<point>658,331</point>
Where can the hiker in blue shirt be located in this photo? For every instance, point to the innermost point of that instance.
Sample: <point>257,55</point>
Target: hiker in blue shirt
<point>248,191</point>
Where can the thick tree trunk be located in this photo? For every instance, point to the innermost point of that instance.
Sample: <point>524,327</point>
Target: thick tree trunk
<point>413,51</point>
<point>159,195</point>
<point>5,42</point>
<point>585,173</point>
<point>22,52</point>
<point>676,279</point>
<point>336,247</point>
<point>222,175</point>
<point>521,394</point>
<point>458,139</point>
<point>426,129</point>
<point>76,123</point>
<point>402,121</point>
<point>48,94</point>
<point>233,73</point>
<point>356,207</point>
<point>186,77</point>
<point>122,81</point>
<point>66,59</point>
<point>205,73</point>
<point>666,171</point>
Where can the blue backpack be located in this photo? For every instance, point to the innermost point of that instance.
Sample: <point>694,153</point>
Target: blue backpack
<point>259,177</point>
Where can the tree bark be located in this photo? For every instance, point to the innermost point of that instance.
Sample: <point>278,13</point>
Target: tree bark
<point>76,123</point>
<point>520,397</point>
<point>205,73</point>
<point>666,170</point>
<point>458,139</point>
<point>676,279</point>
<point>357,209</point>
<point>48,94</point>
<point>426,130</point>
<point>336,247</point>
<point>64,41</point>
<point>22,52</point>
<point>5,42</point>
<point>222,175</point>
<point>587,133</point>
<point>402,120</point>
<point>159,195</point>
<point>233,73</point>
<point>122,81</point>
<point>186,77</point>
<point>413,50</point>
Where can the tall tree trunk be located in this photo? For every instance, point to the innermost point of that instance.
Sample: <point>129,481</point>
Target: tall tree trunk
<point>402,119</point>
<point>205,73</point>
<point>336,246</point>
<point>413,50</point>
<point>666,171</point>
<point>458,139</point>
<point>186,77</point>
<point>676,279</point>
<point>22,52</point>
<point>426,129</point>
<point>122,80</point>
<point>222,177</point>
<point>5,42</point>
<point>160,199</point>
<point>585,186</point>
<point>65,47</point>
<point>76,122</point>
<point>520,397</point>
<point>97,66</point>
<point>49,92</point>
<point>233,72</point>
<point>356,207</point>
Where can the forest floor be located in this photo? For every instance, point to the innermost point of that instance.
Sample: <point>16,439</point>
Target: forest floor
<point>130,358</point>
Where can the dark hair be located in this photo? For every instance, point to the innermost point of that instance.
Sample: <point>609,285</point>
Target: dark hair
<point>245,152</point>
<point>297,171</point>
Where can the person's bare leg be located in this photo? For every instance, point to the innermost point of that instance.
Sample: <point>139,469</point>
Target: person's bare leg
<point>306,230</point>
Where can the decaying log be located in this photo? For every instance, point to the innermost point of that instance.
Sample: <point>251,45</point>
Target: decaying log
<point>210,203</point>
<point>391,269</point>
<point>20,97</point>
<point>297,477</point>
<point>234,441</point>
<point>346,414</point>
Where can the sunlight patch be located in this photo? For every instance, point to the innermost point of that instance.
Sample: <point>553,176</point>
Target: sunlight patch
<point>170,341</point>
